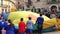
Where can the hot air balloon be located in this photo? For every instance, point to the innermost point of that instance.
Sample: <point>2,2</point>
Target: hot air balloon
<point>49,24</point>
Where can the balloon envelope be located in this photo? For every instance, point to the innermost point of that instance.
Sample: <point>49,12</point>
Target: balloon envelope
<point>15,17</point>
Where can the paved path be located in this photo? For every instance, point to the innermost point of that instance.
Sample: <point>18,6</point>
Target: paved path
<point>58,32</point>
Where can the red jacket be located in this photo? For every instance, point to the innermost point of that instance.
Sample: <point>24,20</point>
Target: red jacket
<point>22,27</point>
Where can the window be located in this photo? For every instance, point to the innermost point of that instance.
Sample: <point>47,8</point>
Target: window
<point>29,2</point>
<point>53,0</point>
<point>38,0</point>
<point>59,0</point>
<point>28,6</point>
<point>1,2</point>
<point>53,7</point>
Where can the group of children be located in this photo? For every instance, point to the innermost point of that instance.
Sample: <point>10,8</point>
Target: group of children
<point>25,28</point>
<point>7,27</point>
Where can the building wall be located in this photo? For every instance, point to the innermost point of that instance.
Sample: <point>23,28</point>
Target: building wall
<point>44,3</point>
<point>7,5</point>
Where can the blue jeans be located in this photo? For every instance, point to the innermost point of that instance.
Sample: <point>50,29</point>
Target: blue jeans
<point>22,33</point>
<point>29,30</point>
<point>40,27</point>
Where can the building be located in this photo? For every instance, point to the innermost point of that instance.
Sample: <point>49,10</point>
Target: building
<point>29,4</point>
<point>7,5</point>
<point>49,4</point>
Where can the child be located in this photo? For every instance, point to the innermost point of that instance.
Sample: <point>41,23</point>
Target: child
<point>10,27</point>
<point>1,26</point>
<point>22,26</point>
<point>5,24</point>
<point>29,26</point>
<point>3,31</point>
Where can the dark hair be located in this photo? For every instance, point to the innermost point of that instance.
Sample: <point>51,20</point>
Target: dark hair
<point>29,18</point>
<point>1,15</point>
<point>0,18</point>
<point>11,24</point>
<point>40,14</point>
<point>6,19</point>
<point>21,19</point>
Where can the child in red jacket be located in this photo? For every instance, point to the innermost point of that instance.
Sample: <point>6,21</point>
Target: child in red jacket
<point>22,27</point>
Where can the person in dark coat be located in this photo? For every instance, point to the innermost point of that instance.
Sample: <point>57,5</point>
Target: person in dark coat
<point>40,21</point>
<point>10,27</point>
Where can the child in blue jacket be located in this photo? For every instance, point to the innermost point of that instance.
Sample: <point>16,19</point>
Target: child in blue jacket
<point>1,25</point>
<point>9,27</point>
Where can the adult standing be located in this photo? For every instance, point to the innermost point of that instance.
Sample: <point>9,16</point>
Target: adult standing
<point>40,21</point>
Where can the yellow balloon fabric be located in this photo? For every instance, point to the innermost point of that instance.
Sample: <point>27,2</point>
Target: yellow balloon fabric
<point>58,23</point>
<point>15,17</point>
<point>49,23</point>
